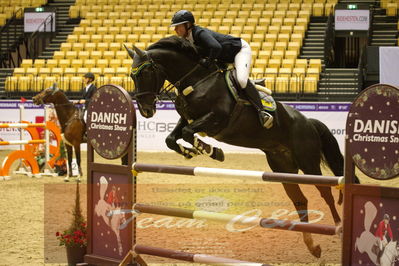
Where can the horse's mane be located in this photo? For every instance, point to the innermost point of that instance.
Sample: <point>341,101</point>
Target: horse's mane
<point>176,44</point>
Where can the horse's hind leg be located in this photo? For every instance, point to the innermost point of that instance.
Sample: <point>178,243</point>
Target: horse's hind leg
<point>69,154</point>
<point>283,162</point>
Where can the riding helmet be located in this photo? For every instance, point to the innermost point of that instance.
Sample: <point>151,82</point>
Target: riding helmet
<point>89,75</point>
<point>181,17</point>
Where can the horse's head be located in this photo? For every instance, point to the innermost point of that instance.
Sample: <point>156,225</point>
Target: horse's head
<point>46,96</point>
<point>148,81</point>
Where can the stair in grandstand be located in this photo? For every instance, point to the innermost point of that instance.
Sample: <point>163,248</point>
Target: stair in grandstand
<point>63,26</point>
<point>313,45</point>
<point>339,84</point>
<point>384,30</point>
<point>4,73</point>
<point>10,36</point>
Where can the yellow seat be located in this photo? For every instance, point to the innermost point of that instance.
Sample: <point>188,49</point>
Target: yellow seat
<point>26,63</point>
<point>121,55</point>
<point>11,83</point>
<point>264,54</point>
<point>31,71</point>
<point>294,46</point>
<point>25,83</point>
<point>301,63</point>
<point>84,55</point>
<point>310,85</point>
<point>120,38</point>
<point>318,9</point>
<point>100,30</point>
<point>392,9</point>
<point>76,83</point>
<point>108,38</point>
<point>109,71</point>
<point>64,63</point>
<point>59,55</point>
<point>315,63</point>
<point>90,46</point>
<point>102,63</point>
<point>288,63</point>
<point>109,55</point>
<point>71,54</point>
<point>51,63</point>
<point>299,72</point>
<point>313,72</point>
<point>280,46</point>
<point>57,71</point>
<point>271,72</point>
<point>281,84</point>
<point>277,54</point>
<point>96,71</point>
<point>126,63</point>
<point>296,84</point>
<point>78,46</point>
<point>48,81</point>
<point>96,54</point>
<point>95,38</point>
<point>102,46</point>
<point>283,37</point>
<point>274,63</point>
<point>84,38</point>
<point>19,72</point>
<point>44,71</point>
<point>69,71</point>
<point>76,63</point>
<point>287,29</point>
<point>128,84</point>
<point>74,11</point>
<point>115,63</point>
<point>66,46</point>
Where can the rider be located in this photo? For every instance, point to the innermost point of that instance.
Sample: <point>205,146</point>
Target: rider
<point>87,93</point>
<point>383,229</point>
<point>225,49</point>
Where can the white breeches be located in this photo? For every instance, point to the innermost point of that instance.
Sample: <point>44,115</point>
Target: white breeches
<point>85,115</point>
<point>242,63</point>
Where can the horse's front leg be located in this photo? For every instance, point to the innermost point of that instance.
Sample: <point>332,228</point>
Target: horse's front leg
<point>176,134</point>
<point>201,125</point>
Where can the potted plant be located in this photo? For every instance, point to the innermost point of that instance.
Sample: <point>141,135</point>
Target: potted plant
<point>75,237</point>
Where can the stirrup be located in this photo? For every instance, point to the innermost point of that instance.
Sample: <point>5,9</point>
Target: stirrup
<point>266,119</point>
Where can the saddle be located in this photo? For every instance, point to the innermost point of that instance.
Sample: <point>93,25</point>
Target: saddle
<point>235,89</point>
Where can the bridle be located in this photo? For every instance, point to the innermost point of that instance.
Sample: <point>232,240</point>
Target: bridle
<point>135,71</point>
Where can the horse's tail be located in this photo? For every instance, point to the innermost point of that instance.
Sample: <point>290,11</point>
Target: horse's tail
<point>331,153</point>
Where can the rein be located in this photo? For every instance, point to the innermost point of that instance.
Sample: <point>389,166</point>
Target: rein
<point>136,71</point>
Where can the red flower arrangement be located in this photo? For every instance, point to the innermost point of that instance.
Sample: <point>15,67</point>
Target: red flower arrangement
<point>76,234</point>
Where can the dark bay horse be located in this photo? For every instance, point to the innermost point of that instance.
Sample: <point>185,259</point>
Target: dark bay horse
<point>72,127</point>
<point>205,105</point>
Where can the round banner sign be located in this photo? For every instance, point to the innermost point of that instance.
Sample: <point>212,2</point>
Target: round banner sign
<point>110,117</point>
<point>373,131</point>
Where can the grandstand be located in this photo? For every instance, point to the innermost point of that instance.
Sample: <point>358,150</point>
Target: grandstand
<point>294,44</point>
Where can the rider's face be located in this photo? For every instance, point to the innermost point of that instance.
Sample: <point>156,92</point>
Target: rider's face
<point>181,30</point>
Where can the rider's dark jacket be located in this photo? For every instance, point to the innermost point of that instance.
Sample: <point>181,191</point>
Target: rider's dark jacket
<point>216,45</point>
<point>88,94</point>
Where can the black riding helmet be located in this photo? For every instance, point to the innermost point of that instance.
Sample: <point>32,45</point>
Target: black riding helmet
<point>181,17</point>
<point>89,75</point>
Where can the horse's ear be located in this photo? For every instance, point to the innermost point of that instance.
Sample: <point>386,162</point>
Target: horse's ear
<point>129,51</point>
<point>139,52</point>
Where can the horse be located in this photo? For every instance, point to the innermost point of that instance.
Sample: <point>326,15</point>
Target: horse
<point>390,254</point>
<point>72,126</point>
<point>205,105</point>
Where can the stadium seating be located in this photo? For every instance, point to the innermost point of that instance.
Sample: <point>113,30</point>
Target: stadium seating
<point>275,30</point>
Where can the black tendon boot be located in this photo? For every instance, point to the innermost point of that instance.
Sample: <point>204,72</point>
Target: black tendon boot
<point>265,118</point>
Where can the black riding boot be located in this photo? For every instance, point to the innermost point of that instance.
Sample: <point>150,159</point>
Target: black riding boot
<point>265,118</point>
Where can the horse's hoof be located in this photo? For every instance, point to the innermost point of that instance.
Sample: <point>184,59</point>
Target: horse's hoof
<point>218,154</point>
<point>316,251</point>
<point>66,179</point>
